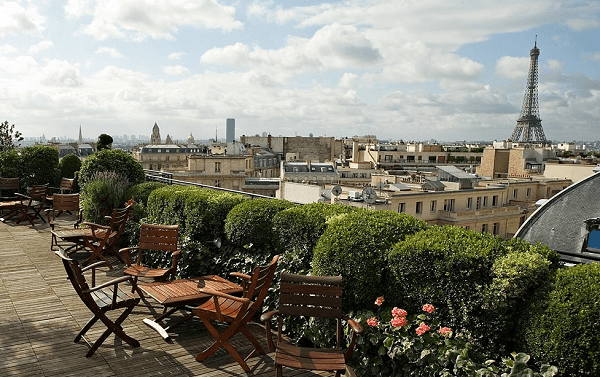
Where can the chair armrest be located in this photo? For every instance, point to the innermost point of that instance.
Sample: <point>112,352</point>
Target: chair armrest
<point>241,276</point>
<point>93,265</point>
<point>108,283</point>
<point>266,319</point>
<point>125,251</point>
<point>356,329</point>
<point>355,326</point>
<point>175,256</point>
<point>268,316</point>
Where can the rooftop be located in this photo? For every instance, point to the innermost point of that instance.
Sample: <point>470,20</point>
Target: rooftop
<point>40,315</point>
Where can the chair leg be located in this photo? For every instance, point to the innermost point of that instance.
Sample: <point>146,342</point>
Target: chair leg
<point>252,340</point>
<point>279,370</point>
<point>114,327</point>
<point>221,341</point>
<point>85,328</point>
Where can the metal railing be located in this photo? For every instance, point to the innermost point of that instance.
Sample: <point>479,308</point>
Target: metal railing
<point>167,178</point>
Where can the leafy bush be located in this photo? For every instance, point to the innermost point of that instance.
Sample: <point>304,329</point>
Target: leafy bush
<point>250,224</point>
<point>354,246</point>
<point>561,324</point>
<point>398,343</point>
<point>111,160</point>
<point>69,165</point>
<point>139,194</point>
<point>40,165</point>
<point>465,275</point>
<point>103,193</point>
<point>200,214</point>
<point>10,164</point>
<point>298,230</point>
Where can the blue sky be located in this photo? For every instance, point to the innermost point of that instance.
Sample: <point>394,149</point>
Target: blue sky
<point>411,70</point>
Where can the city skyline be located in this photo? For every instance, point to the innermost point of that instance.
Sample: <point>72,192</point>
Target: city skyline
<point>396,69</point>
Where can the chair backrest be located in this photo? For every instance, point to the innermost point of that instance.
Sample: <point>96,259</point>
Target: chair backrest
<point>157,237</point>
<point>76,277</point>
<point>8,187</point>
<point>66,185</point>
<point>38,192</point>
<point>261,279</point>
<point>311,296</point>
<point>65,202</point>
<point>118,220</point>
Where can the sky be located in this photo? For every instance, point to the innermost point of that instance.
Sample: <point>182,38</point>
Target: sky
<point>401,70</point>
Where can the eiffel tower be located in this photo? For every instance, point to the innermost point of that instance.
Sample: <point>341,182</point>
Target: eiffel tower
<point>529,125</point>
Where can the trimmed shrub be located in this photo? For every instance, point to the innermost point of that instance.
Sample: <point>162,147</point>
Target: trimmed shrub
<point>10,164</point>
<point>39,165</point>
<point>103,193</point>
<point>298,230</point>
<point>139,194</point>
<point>113,160</point>
<point>250,224</point>
<point>465,275</point>
<point>200,214</point>
<point>355,244</point>
<point>69,165</point>
<point>561,324</point>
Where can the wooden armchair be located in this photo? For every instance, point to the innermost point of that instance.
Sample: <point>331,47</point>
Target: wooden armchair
<point>237,311</point>
<point>61,203</point>
<point>28,207</point>
<point>152,237</point>
<point>66,187</point>
<point>100,300</point>
<point>8,188</point>
<point>103,239</point>
<point>311,296</point>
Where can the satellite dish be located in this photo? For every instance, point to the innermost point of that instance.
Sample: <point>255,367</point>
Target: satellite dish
<point>336,190</point>
<point>369,195</point>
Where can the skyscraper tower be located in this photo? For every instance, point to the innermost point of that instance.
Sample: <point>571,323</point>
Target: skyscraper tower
<point>529,125</point>
<point>230,130</point>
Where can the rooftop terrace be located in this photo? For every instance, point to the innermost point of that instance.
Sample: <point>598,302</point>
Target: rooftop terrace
<point>40,314</point>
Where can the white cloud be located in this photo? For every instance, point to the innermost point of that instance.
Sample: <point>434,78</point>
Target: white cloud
<point>139,19</point>
<point>512,67</point>
<point>594,57</point>
<point>176,55</point>
<point>110,51</point>
<point>14,18</point>
<point>7,49</point>
<point>43,45</point>
<point>581,24</point>
<point>175,70</point>
<point>78,8</point>
<point>61,73</point>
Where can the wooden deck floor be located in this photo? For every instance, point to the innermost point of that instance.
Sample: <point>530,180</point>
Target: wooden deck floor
<point>40,314</point>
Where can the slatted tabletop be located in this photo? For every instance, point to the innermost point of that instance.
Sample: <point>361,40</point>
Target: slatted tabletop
<point>40,314</point>
<point>185,291</point>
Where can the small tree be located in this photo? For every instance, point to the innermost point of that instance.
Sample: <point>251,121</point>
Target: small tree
<point>104,142</point>
<point>69,165</point>
<point>8,136</point>
<point>40,165</point>
<point>111,160</point>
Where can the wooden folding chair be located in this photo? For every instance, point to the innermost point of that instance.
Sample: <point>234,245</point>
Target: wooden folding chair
<point>29,207</point>
<point>8,197</point>
<point>237,311</point>
<point>311,296</point>
<point>61,203</point>
<point>103,239</point>
<point>153,237</point>
<point>100,299</point>
<point>66,187</point>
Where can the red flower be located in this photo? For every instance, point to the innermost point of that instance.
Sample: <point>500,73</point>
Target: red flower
<point>372,321</point>
<point>422,329</point>
<point>398,321</point>
<point>428,308</point>
<point>446,331</point>
<point>397,312</point>
<point>379,301</point>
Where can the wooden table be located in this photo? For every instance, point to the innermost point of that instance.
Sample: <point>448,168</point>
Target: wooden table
<point>183,294</point>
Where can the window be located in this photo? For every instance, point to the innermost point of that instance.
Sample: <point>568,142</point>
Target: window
<point>388,158</point>
<point>467,227</point>
<point>485,201</point>
<point>433,206</point>
<point>419,207</point>
<point>217,183</point>
<point>528,192</point>
<point>548,192</point>
<point>402,207</point>
<point>484,228</point>
<point>217,167</point>
<point>496,229</point>
<point>494,200</point>
<point>449,205</point>
<point>478,205</point>
<point>469,203</point>
<point>516,193</point>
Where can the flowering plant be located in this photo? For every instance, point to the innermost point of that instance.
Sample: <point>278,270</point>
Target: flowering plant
<point>396,343</point>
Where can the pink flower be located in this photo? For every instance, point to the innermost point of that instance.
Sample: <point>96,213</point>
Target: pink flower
<point>372,321</point>
<point>446,331</point>
<point>398,321</point>
<point>379,301</point>
<point>396,312</point>
<point>422,329</point>
<point>428,308</point>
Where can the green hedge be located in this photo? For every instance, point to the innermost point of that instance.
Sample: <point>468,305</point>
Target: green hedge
<point>298,230</point>
<point>39,164</point>
<point>250,224</point>
<point>69,165</point>
<point>561,323</point>
<point>103,193</point>
<point>355,244</point>
<point>476,281</point>
<point>113,160</point>
<point>200,214</point>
